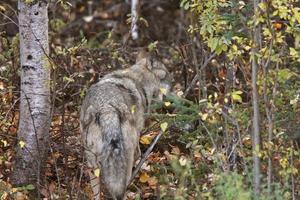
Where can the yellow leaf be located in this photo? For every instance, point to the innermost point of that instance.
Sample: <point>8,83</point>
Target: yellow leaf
<point>97,172</point>
<point>133,109</point>
<point>234,47</point>
<point>4,143</point>
<point>14,190</point>
<point>167,103</point>
<point>180,93</point>
<point>215,95</point>
<point>145,139</point>
<point>2,8</point>
<point>293,52</point>
<point>22,144</point>
<point>225,100</point>
<point>262,6</point>
<point>236,97</point>
<point>182,161</point>
<point>247,48</point>
<point>283,162</point>
<point>144,177</point>
<point>163,90</point>
<point>171,115</point>
<point>204,116</point>
<point>202,101</point>
<point>164,126</point>
<point>213,120</point>
<point>28,1</point>
<point>4,195</point>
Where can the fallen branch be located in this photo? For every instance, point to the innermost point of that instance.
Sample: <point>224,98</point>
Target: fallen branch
<point>145,156</point>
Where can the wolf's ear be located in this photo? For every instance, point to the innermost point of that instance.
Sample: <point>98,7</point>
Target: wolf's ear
<point>142,54</point>
<point>142,62</point>
<point>143,58</point>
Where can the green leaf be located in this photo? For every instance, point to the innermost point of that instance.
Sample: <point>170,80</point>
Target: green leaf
<point>152,45</point>
<point>30,187</point>
<point>187,6</point>
<point>284,75</point>
<point>213,43</point>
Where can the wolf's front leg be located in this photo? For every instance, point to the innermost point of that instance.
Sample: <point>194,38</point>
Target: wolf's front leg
<point>95,183</point>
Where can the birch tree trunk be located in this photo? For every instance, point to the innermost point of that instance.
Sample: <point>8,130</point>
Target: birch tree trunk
<point>134,18</point>
<point>255,104</point>
<point>34,123</point>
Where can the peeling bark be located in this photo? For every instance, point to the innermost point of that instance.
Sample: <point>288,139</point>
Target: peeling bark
<point>35,105</point>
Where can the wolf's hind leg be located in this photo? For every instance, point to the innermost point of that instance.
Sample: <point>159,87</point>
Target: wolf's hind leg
<point>95,183</point>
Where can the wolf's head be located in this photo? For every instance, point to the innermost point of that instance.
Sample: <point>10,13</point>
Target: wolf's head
<point>158,69</point>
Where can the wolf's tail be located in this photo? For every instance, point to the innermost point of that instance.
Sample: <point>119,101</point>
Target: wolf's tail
<point>114,162</point>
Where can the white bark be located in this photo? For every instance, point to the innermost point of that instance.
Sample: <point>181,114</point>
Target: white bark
<point>34,121</point>
<point>134,18</point>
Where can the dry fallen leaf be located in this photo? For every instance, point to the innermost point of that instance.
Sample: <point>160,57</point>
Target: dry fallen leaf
<point>152,182</point>
<point>146,139</point>
<point>1,83</point>
<point>175,150</point>
<point>144,177</point>
<point>20,196</point>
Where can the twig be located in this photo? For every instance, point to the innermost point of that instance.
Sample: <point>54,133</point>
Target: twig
<point>196,77</point>
<point>9,110</point>
<point>10,19</point>
<point>293,178</point>
<point>145,156</point>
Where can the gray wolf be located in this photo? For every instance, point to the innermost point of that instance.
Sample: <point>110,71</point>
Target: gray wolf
<point>112,117</point>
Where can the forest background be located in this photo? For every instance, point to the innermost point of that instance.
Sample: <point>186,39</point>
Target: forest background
<point>230,132</point>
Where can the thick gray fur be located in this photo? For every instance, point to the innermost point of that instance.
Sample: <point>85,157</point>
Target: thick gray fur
<point>112,117</point>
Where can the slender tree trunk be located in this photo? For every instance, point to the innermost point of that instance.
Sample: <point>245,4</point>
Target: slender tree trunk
<point>134,18</point>
<point>255,102</point>
<point>34,123</point>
